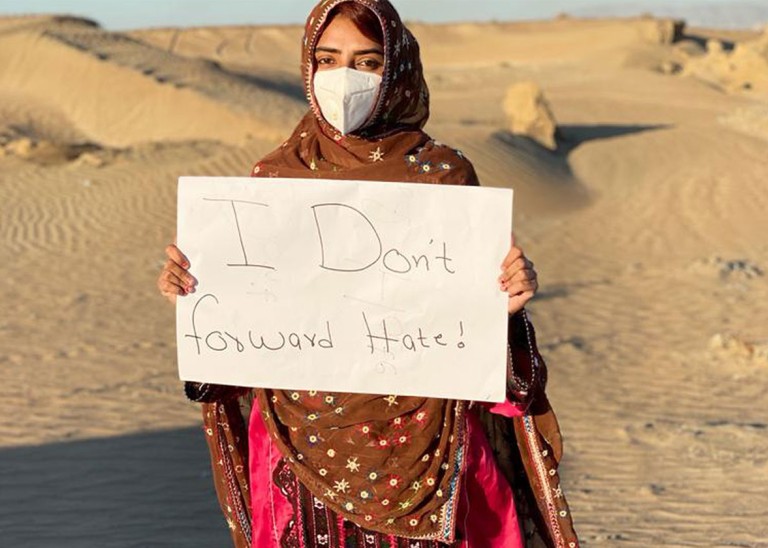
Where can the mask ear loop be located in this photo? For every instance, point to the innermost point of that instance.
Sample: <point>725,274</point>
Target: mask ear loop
<point>311,68</point>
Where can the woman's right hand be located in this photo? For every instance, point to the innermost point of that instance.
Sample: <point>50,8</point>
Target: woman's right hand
<point>174,279</point>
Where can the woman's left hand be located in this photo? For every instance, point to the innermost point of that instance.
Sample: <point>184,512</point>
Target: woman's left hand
<point>518,278</point>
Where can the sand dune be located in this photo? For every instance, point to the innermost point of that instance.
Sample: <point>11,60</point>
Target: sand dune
<point>647,224</point>
<point>120,91</point>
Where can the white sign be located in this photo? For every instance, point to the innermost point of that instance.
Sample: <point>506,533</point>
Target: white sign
<point>344,286</point>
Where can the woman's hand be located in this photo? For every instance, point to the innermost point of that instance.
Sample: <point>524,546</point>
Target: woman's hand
<point>518,278</point>
<point>174,279</point>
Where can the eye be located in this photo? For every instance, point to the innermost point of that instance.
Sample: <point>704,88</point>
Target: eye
<point>369,64</point>
<point>324,60</point>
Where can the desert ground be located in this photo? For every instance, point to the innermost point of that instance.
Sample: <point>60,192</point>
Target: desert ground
<point>638,151</point>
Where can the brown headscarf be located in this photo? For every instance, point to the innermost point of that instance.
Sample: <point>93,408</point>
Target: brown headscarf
<point>391,146</point>
<point>387,463</point>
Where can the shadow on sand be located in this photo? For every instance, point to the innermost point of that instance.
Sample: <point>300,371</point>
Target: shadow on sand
<point>573,136</point>
<point>143,490</point>
<point>569,138</point>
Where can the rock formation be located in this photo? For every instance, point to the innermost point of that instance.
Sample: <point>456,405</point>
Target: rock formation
<point>529,114</point>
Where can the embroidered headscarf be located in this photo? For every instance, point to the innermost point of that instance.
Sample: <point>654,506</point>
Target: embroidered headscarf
<point>388,463</point>
<point>391,146</point>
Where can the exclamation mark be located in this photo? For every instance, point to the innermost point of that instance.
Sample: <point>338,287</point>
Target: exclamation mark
<point>461,334</point>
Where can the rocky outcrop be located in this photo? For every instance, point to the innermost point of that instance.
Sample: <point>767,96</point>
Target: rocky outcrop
<point>661,31</point>
<point>529,114</point>
<point>743,68</point>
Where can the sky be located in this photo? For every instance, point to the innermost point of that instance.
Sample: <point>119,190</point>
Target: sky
<point>122,14</point>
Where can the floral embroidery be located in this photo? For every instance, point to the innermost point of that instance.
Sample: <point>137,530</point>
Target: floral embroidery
<point>341,486</point>
<point>376,155</point>
<point>402,439</point>
<point>391,400</point>
<point>398,423</point>
<point>353,465</point>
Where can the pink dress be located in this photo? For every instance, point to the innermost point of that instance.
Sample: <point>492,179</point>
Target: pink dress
<point>487,513</point>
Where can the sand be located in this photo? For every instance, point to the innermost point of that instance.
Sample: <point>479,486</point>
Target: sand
<point>647,225</point>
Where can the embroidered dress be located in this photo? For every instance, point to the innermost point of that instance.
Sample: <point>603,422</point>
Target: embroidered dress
<point>286,514</point>
<point>309,468</point>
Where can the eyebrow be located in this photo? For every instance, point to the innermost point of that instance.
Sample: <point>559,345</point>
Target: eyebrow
<point>358,52</point>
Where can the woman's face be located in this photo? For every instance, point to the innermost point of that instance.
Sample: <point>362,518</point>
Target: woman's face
<point>343,45</point>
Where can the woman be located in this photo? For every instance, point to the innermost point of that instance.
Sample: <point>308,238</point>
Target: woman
<point>338,470</point>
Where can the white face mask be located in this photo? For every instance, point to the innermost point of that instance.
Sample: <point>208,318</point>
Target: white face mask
<point>346,97</point>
